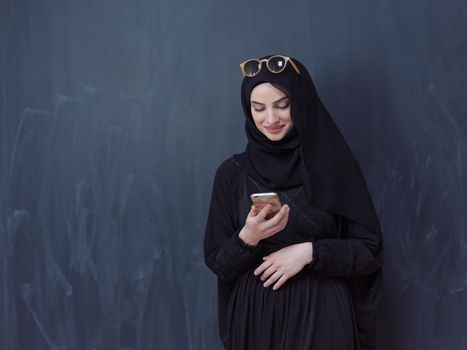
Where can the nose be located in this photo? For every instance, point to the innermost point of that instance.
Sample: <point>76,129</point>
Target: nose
<point>271,117</point>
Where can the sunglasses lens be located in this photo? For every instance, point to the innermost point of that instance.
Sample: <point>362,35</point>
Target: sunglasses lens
<point>251,68</point>
<point>276,64</point>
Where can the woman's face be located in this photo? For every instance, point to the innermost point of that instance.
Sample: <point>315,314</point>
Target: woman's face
<point>270,109</point>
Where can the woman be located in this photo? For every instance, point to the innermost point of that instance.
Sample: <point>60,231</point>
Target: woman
<point>310,276</point>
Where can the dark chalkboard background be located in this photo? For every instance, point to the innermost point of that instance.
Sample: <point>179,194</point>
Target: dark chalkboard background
<point>115,114</point>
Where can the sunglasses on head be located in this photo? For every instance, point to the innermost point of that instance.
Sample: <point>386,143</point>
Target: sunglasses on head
<point>275,64</point>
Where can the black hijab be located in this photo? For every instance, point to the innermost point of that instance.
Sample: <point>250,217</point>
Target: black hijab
<point>314,153</point>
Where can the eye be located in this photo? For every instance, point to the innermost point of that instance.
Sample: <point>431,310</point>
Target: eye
<point>258,109</point>
<point>283,105</point>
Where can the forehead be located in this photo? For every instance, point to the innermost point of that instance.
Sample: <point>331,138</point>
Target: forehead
<point>266,92</point>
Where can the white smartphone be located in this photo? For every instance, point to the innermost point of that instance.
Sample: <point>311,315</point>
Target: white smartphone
<point>261,199</point>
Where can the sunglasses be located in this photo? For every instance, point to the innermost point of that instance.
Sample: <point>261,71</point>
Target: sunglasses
<point>275,64</point>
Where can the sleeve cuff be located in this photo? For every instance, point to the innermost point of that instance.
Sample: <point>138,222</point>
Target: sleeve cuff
<point>236,250</point>
<point>315,256</point>
<point>245,245</point>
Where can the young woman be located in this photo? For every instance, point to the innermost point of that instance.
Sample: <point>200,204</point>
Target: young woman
<point>309,277</point>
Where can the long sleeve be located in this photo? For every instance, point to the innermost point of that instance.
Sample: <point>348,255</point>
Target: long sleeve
<point>356,254</point>
<point>225,253</point>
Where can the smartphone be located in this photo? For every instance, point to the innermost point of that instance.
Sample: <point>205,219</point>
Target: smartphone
<point>261,199</point>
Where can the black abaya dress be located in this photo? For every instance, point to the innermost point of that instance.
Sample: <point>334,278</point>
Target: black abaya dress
<point>313,309</point>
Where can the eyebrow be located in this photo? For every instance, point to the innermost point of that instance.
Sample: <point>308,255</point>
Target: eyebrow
<point>259,103</point>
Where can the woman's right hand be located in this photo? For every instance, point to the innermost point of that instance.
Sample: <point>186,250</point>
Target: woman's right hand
<point>258,228</point>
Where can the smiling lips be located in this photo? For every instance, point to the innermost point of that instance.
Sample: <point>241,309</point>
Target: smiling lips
<point>274,129</point>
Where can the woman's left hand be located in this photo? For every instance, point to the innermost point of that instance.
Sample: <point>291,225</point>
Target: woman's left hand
<point>281,265</point>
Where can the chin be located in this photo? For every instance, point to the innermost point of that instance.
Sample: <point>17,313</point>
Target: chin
<point>275,137</point>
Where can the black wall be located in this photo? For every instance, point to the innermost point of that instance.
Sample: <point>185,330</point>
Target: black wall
<point>115,114</point>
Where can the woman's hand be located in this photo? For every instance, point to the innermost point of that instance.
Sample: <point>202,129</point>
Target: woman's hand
<point>257,227</point>
<point>281,265</point>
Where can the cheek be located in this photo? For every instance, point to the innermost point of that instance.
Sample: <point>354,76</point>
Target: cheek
<point>285,115</point>
<point>257,118</point>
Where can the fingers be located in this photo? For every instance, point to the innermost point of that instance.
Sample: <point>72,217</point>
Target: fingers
<point>252,211</point>
<point>280,282</point>
<point>281,265</point>
<point>262,214</point>
<point>269,272</point>
<point>281,214</point>
<point>277,217</point>
<point>263,228</point>
<point>265,265</point>
<point>271,280</point>
<point>277,278</point>
<point>278,220</point>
